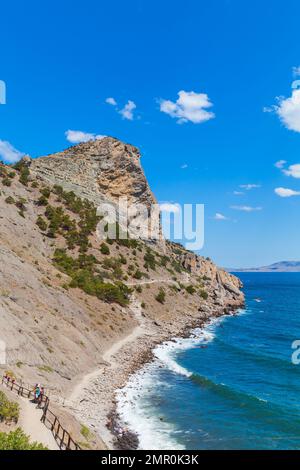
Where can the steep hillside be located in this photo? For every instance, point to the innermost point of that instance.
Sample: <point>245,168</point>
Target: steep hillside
<point>65,297</point>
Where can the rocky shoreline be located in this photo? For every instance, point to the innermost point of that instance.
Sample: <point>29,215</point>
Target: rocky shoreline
<point>124,438</point>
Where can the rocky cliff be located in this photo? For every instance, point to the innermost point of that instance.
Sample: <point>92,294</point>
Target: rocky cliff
<point>100,170</point>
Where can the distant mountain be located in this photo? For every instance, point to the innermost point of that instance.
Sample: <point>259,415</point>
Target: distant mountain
<point>280,267</point>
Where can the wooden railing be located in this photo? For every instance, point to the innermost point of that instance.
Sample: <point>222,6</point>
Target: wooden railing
<point>62,437</point>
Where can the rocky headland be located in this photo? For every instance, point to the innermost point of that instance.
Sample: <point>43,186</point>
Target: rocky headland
<point>79,314</point>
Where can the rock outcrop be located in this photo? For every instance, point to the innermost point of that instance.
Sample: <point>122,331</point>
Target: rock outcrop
<point>100,170</point>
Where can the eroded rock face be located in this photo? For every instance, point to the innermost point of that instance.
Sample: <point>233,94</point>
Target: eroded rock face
<point>100,170</point>
<point>225,286</point>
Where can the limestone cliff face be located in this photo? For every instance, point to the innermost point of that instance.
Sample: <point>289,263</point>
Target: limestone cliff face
<point>224,288</point>
<point>100,170</point>
<point>199,265</point>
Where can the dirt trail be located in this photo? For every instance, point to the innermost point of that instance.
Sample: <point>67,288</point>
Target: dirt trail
<point>30,422</point>
<point>78,399</point>
<point>185,278</point>
<point>79,389</point>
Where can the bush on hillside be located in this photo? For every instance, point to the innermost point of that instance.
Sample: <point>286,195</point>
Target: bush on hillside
<point>81,270</point>
<point>104,249</point>
<point>161,296</point>
<point>9,410</point>
<point>41,223</point>
<point>24,175</point>
<point>18,440</point>
<point>190,289</point>
<point>203,294</point>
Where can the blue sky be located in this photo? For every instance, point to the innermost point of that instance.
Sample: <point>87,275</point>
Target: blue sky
<point>62,60</point>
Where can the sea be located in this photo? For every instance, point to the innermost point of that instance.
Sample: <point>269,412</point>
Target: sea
<point>234,384</point>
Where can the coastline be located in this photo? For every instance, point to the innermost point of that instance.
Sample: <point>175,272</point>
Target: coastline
<point>93,400</point>
<point>132,431</point>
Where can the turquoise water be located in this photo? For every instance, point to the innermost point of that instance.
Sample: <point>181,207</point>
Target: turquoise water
<point>236,388</point>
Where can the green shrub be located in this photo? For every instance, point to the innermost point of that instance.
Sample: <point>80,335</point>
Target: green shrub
<point>45,192</point>
<point>123,260</point>
<point>161,296</point>
<point>81,270</point>
<point>3,171</point>
<point>45,368</point>
<point>9,410</point>
<point>58,190</point>
<point>85,432</point>
<point>24,175</point>
<point>63,224</point>
<point>177,266</point>
<point>42,201</point>
<point>149,259</point>
<point>105,249</point>
<point>64,262</point>
<point>118,273</point>
<point>6,181</point>
<point>138,274</point>
<point>164,261</point>
<point>190,289</point>
<point>10,200</point>
<point>203,294</point>
<point>20,204</point>
<point>18,440</point>
<point>41,223</point>
<point>94,285</point>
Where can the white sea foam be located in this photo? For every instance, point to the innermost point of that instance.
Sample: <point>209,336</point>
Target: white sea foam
<point>138,415</point>
<point>134,400</point>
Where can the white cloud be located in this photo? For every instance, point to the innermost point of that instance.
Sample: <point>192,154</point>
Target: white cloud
<point>190,106</point>
<point>280,164</point>
<point>184,166</point>
<point>296,71</point>
<point>127,111</point>
<point>76,137</point>
<point>288,110</point>
<point>169,207</point>
<point>285,192</point>
<point>246,208</point>
<point>238,193</point>
<point>219,216</point>
<point>111,101</point>
<point>8,153</point>
<point>268,109</point>
<point>248,187</point>
<point>293,170</point>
